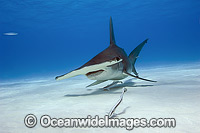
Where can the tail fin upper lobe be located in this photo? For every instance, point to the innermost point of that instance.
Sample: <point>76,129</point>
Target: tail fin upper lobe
<point>134,55</point>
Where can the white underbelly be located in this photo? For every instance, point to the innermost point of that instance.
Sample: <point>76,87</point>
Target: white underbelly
<point>109,73</point>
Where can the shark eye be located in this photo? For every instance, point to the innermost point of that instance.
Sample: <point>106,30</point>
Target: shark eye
<point>117,58</point>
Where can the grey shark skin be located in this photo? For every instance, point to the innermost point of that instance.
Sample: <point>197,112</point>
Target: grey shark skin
<point>110,64</point>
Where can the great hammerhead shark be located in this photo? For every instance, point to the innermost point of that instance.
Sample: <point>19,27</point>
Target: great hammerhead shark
<point>110,64</point>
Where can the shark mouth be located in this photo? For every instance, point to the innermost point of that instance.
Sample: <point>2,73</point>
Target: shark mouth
<point>94,73</point>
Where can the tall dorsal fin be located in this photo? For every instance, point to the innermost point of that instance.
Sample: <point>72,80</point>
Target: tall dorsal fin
<point>112,37</point>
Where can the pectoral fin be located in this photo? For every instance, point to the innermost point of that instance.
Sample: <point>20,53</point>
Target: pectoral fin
<point>96,83</point>
<point>138,77</point>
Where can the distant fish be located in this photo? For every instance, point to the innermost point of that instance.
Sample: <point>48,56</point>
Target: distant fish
<point>111,64</point>
<point>10,34</point>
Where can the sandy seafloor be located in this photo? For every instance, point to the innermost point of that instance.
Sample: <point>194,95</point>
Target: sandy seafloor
<point>175,95</point>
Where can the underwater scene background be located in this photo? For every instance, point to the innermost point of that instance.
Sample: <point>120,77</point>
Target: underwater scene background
<point>42,39</point>
<point>57,36</point>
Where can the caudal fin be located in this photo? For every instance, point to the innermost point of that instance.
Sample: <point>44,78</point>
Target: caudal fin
<point>134,55</point>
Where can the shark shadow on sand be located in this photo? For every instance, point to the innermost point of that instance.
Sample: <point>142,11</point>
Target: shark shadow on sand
<point>112,90</point>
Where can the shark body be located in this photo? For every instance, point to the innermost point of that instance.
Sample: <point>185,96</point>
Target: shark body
<point>110,64</point>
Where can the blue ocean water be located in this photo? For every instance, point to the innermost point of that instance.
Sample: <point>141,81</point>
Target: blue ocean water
<point>59,35</point>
